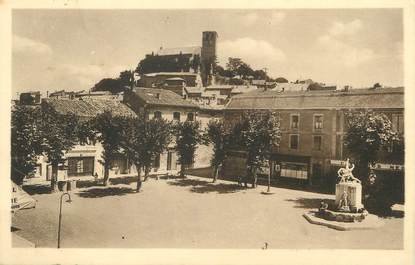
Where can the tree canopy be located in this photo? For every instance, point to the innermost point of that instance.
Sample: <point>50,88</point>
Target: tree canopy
<point>259,133</point>
<point>188,136</point>
<point>143,140</point>
<point>60,134</point>
<point>218,134</point>
<point>108,130</point>
<point>367,132</point>
<point>236,67</point>
<point>115,85</point>
<point>26,141</point>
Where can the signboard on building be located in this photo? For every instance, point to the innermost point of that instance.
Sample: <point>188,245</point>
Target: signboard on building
<point>377,166</point>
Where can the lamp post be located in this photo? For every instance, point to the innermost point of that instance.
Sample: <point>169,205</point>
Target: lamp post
<point>60,216</point>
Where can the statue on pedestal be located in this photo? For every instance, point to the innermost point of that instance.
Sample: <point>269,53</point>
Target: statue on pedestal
<point>345,174</point>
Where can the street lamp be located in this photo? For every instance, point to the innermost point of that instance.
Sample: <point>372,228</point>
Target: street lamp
<point>60,216</point>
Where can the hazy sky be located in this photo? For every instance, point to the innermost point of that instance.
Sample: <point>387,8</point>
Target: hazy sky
<point>73,49</point>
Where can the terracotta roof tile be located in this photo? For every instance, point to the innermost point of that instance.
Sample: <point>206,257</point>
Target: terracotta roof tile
<point>155,96</point>
<point>89,107</point>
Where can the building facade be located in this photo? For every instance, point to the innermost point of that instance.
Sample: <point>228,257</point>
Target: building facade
<point>162,103</point>
<point>313,126</point>
<point>84,159</point>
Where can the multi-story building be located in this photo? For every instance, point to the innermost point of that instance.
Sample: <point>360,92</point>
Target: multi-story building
<point>313,126</point>
<point>83,159</point>
<point>162,103</point>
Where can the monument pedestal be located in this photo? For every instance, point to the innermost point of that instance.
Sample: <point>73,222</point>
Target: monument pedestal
<point>354,194</point>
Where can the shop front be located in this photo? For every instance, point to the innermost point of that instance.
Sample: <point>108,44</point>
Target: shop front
<point>291,167</point>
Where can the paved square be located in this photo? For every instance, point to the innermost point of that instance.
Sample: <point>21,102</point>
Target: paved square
<point>191,213</point>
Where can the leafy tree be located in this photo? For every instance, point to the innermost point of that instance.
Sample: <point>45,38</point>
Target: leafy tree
<point>117,85</point>
<point>85,131</point>
<point>281,80</point>
<point>126,78</point>
<point>377,85</point>
<point>26,141</point>
<point>260,75</point>
<point>109,84</point>
<point>143,140</point>
<point>367,132</point>
<point>260,131</point>
<point>218,134</point>
<point>59,134</point>
<point>233,65</point>
<point>109,132</point>
<point>188,136</point>
<point>236,81</point>
<point>237,67</point>
<point>244,70</point>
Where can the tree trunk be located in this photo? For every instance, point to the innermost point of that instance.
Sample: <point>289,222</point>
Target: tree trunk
<point>146,173</point>
<point>54,178</point>
<point>182,169</point>
<point>254,178</point>
<point>269,176</point>
<point>247,175</point>
<point>215,173</point>
<point>106,173</point>
<point>139,182</point>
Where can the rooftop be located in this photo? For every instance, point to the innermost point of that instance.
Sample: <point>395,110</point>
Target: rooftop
<point>380,98</point>
<point>172,74</point>
<point>218,87</point>
<point>93,93</point>
<point>291,86</point>
<point>194,90</point>
<point>175,79</point>
<point>89,107</point>
<point>178,50</point>
<point>243,89</point>
<point>164,97</point>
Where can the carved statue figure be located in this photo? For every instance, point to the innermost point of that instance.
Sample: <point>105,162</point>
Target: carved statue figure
<point>344,202</point>
<point>345,174</point>
<point>323,207</point>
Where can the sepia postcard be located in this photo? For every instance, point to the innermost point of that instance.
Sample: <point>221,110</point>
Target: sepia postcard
<point>207,133</point>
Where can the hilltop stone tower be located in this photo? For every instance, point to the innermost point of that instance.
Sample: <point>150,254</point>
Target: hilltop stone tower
<point>208,56</point>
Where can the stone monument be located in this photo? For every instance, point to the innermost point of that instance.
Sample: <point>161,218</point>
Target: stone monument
<point>347,212</point>
<point>348,190</point>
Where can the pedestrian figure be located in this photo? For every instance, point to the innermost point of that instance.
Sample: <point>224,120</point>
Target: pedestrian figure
<point>96,177</point>
<point>239,181</point>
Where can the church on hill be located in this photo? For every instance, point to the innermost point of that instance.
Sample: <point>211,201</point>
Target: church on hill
<point>199,60</point>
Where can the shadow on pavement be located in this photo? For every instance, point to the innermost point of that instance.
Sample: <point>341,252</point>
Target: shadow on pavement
<point>202,186</point>
<point>87,183</point>
<point>104,192</point>
<point>123,180</point>
<point>281,183</point>
<point>32,189</point>
<point>309,203</point>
